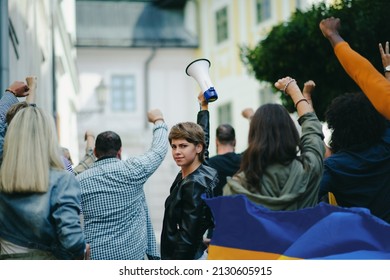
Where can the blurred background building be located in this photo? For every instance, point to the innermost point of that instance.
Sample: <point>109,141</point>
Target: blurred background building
<point>138,51</point>
<point>101,65</point>
<point>38,38</point>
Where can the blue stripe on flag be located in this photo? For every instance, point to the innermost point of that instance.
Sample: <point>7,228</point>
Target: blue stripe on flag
<point>324,231</point>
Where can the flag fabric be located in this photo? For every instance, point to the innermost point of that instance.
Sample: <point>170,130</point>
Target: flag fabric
<point>244,230</point>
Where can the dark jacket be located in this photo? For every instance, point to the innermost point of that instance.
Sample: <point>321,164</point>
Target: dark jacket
<point>226,165</point>
<point>361,178</point>
<point>186,216</point>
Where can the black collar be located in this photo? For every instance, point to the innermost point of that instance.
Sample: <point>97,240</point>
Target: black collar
<point>105,157</point>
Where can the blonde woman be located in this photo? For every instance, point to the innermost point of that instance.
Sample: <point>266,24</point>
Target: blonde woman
<point>39,201</point>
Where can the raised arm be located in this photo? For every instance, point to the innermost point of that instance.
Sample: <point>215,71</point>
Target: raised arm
<point>203,119</point>
<point>308,88</point>
<point>89,137</point>
<point>32,84</point>
<point>290,87</point>
<point>89,157</point>
<point>16,89</point>
<point>152,159</point>
<point>374,85</point>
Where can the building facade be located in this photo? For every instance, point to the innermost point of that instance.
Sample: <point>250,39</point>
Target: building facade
<point>38,39</point>
<point>225,26</point>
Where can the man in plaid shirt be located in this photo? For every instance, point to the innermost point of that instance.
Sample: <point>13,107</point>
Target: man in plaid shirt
<point>116,217</point>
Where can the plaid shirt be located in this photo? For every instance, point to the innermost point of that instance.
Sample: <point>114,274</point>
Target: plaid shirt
<point>86,162</point>
<point>6,101</point>
<point>117,222</point>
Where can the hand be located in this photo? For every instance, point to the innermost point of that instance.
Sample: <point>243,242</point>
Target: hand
<point>19,89</point>
<point>204,105</point>
<point>285,83</point>
<point>31,82</point>
<point>247,113</point>
<point>308,88</point>
<point>155,115</point>
<point>385,56</point>
<point>330,27</point>
<point>87,134</point>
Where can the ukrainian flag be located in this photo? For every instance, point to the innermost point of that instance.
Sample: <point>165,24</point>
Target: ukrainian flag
<point>246,231</point>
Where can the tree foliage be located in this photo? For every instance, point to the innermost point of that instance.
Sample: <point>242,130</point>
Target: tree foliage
<point>298,49</point>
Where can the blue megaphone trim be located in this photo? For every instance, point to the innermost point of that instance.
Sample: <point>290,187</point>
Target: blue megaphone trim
<point>210,95</point>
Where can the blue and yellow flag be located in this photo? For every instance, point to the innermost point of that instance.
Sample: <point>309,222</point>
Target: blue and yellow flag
<point>244,230</point>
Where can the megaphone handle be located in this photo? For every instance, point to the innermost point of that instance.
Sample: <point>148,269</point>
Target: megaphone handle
<point>210,95</point>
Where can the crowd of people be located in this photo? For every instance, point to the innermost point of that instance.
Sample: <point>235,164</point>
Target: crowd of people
<point>98,209</point>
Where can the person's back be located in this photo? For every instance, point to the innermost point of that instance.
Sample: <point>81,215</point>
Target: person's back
<point>39,201</point>
<point>272,173</point>
<point>226,162</point>
<point>114,209</point>
<point>364,167</point>
<point>358,171</point>
<point>116,217</point>
<point>40,220</point>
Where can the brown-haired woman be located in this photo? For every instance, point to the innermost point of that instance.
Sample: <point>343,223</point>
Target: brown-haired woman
<point>279,169</point>
<point>186,216</point>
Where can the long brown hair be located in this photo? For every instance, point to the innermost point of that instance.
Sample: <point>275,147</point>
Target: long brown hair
<point>273,138</point>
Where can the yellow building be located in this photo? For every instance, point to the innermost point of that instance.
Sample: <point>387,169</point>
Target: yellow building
<point>224,26</point>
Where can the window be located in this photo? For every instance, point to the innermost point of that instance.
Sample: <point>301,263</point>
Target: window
<point>225,113</point>
<point>122,93</point>
<point>222,25</point>
<point>263,10</point>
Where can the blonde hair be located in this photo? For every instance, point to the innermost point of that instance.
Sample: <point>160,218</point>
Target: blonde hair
<point>30,150</point>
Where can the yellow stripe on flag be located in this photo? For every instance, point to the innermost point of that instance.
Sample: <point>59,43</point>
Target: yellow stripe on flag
<point>225,253</point>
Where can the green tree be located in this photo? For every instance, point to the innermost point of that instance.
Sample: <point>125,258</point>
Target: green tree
<point>297,48</point>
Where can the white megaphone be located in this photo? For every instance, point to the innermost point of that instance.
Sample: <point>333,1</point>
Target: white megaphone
<point>199,70</point>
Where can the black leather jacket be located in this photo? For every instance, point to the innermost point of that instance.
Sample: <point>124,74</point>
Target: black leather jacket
<point>186,216</point>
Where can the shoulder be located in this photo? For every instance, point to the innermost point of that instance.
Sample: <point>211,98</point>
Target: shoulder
<point>62,180</point>
<point>235,184</point>
<point>225,160</point>
<point>205,176</point>
<point>231,155</point>
<point>61,174</point>
<point>207,171</point>
<point>88,173</point>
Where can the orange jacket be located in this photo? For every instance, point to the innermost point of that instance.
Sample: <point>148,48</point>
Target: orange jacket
<point>374,85</point>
